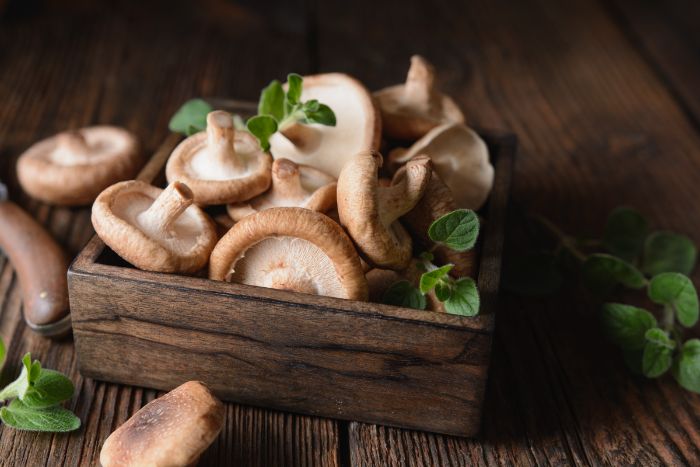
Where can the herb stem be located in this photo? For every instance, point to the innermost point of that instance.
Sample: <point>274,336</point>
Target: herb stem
<point>566,241</point>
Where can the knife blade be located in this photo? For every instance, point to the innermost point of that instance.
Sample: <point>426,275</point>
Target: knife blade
<point>41,266</point>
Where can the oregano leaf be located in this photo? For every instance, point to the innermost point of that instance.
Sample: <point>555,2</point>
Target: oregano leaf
<point>429,279</point>
<point>602,273</point>
<point>676,290</point>
<point>625,233</point>
<point>51,388</point>
<point>686,368</point>
<point>191,117</point>
<point>668,252</point>
<point>294,87</point>
<point>322,115</point>
<point>52,419</point>
<point>657,356</point>
<point>272,101</point>
<point>626,325</point>
<point>464,300</point>
<point>262,127</point>
<point>404,294</point>
<point>458,230</point>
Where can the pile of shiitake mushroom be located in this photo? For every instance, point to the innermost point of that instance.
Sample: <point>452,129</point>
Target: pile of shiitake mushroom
<point>322,212</point>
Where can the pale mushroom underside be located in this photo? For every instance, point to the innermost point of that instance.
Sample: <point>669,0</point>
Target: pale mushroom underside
<point>200,166</point>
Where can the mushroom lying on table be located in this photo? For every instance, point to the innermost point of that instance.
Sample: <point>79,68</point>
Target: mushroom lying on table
<point>293,185</point>
<point>220,165</point>
<point>73,167</point>
<point>290,249</point>
<point>358,125</point>
<point>461,159</point>
<point>371,211</point>
<point>170,431</point>
<point>412,109</point>
<point>154,229</point>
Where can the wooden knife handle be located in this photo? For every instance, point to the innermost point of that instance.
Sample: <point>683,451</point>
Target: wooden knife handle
<point>40,264</point>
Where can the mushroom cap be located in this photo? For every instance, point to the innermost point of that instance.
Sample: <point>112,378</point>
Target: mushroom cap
<point>436,202</point>
<point>412,109</point>
<point>214,177</point>
<point>370,211</point>
<point>172,430</point>
<point>293,185</point>
<point>72,168</point>
<point>184,248</point>
<point>290,249</point>
<point>461,159</point>
<point>358,124</point>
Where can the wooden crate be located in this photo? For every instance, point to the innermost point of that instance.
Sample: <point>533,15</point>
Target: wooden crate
<point>283,350</point>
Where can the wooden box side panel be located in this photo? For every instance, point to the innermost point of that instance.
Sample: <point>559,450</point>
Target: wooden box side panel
<point>329,362</point>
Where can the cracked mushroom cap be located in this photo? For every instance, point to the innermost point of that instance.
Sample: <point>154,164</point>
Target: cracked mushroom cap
<point>220,165</point>
<point>293,185</point>
<point>73,167</point>
<point>154,229</point>
<point>436,202</point>
<point>172,430</point>
<point>290,249</point>
<point>328,148</point>
<point>370,211</point>
<point>412,109</point>
<point>461,159</point>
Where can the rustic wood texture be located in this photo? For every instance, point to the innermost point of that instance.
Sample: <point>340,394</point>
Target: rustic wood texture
<point>601,119</point>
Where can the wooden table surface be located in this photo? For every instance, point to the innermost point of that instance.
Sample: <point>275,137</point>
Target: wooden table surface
<point>602,94</point>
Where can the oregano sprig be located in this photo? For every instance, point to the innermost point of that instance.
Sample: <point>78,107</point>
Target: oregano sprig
<point>632,257</point>
<point>34,398</point>
<point>457,230</point>
<point>277,111</point>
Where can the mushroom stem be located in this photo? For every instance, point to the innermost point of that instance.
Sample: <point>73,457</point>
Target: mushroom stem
<point>406,189</point>
<point>304,137</point>
<point>71,148</point>
<point>286,181</point>
<point>170,204</point>
<point>220,140</point>
<point>420,81</point>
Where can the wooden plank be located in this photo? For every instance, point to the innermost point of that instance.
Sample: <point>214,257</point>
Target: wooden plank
<point>67,66</point>
<point>598,129</point>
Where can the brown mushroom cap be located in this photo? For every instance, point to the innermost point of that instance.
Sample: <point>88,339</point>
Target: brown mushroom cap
<point>73,167</point>
<point>293,185</point>
<point>370,211</point>
<point>291,249</point>
<point>412,109</point>
<point>154,229</point>
<point>327,148</point>
<point>220,165</point>
<point>461,159</point>
<point>436,202</point>
<point>172,430</point>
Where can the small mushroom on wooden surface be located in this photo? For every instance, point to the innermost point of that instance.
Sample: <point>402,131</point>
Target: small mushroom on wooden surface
<point>220,165</point>
<point>438,201</point>
<point>73,167</point>
<point>293,185</point>
<point>154,229</point>
<point>290,249</point>
<point>370,211</point>
<point>171,431</point>
<point>461,159</point>
<point>328,148</point>
<point>412,109</point>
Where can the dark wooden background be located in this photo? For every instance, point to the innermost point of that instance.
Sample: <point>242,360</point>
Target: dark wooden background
<point>604,96</point>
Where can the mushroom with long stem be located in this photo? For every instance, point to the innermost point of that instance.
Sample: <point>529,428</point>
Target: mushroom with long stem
<point>220,165</point>
<point>412,109</point>
<point>370,211</point>
<point>293,185</point>
<point>154,229</point>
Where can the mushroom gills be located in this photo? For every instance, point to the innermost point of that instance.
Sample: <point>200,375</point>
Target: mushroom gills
<point>287,263</point>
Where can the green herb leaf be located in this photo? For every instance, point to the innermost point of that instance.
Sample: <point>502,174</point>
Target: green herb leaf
<point>602,273</point>
<point>625,233</point>
<point>53,419</point>
<point>404,294</point>
<point>294,87</point>
<point>3,353</point>
<point>272,102</point>
<point>677,291</point>
<point>626,325</point>
<point>686,368</point>
<point>657,356</point>
<point>457,230</point>
<point>191,117</point>
<point>429,279</point>
<point>464,299</point>
<point>443,290</point>
<point>262,127</point>
<point>50,388</point>
<point>322,115</point>
<point>533,274</point>
<point>668,252</point>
